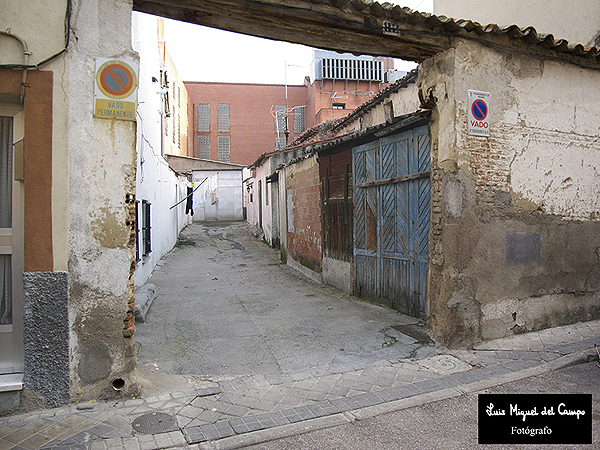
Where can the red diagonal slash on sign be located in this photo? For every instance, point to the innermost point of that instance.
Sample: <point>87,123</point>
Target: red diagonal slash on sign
<point>116,78</point>
<point>479,109</point>
<point>112,71</point>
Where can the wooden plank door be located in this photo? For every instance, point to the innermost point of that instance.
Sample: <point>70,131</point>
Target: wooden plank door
<point>392,192</point>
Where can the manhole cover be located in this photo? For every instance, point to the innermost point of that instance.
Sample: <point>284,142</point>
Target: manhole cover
<point>154,423</point>
<point>445,364</point>
<point>414,331</point>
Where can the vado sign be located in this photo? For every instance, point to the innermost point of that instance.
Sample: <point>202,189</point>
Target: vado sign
<point>116,89</point>
<point>479,113</point>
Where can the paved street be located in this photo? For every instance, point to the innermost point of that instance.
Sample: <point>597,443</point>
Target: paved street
<point>239,350</point>
<point>448,424</point>
<point>227,307</point>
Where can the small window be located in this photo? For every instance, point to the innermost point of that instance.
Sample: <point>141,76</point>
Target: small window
<point>280,119</point>
<point>280,142</point>
<point>339,106</point>
<point>204,118</point>
<point>204,147</point>
<point>223,118</point>
<point>137,230</point>
<point>142,229</point>
<point>224,149</point>
<point>299,119</point>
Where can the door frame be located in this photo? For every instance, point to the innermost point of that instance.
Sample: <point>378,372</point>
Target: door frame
<point>16,238</point>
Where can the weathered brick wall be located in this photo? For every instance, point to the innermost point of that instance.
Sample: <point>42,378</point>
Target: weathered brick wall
<point>515,230</point>
<point>304,243</point>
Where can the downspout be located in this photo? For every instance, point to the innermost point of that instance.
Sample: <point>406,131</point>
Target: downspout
<point>26,55</point>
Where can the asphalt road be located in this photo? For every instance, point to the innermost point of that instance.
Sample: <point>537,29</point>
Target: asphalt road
<point>447,424</point>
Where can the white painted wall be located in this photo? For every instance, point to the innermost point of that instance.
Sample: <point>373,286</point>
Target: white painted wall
<point>262,172</point>
<point>155,181</point>
<point>219,197</point>
<point>579,22</point>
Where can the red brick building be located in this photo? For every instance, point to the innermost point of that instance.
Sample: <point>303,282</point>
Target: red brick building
<point>237,122</point>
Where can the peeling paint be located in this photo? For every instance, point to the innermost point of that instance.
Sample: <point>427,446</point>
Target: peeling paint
<point>110,229</point>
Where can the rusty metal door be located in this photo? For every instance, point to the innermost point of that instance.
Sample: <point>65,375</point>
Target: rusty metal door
<point>391,219</point>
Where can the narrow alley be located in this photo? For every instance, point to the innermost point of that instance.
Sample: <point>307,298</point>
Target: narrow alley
<point>228,307</point>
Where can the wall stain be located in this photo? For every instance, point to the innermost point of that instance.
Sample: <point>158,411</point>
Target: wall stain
<point>110,229</point>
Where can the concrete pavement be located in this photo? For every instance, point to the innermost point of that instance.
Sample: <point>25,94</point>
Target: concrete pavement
<point>218,397</point>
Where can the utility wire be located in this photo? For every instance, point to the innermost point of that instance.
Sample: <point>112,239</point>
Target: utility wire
<point>189,195</point>
<point>56,55</point>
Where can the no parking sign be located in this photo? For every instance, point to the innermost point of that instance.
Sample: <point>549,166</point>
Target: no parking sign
<point>479,113</point>
<point>116,89</point>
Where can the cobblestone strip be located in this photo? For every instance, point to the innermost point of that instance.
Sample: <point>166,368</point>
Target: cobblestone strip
<point>371,396</point>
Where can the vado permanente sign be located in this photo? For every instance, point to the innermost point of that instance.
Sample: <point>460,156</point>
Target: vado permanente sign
<point>115,89</point>
<point>479,113</point>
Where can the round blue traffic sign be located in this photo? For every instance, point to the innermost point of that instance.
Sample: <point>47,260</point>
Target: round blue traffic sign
<point>479,109</point>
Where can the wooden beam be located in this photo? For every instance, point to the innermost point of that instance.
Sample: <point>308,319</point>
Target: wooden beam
<point>321,25</point>
<point>413,176</point>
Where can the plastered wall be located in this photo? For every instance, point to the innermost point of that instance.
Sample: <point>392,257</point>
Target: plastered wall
<point>514,239</point>
<point>102,171</point>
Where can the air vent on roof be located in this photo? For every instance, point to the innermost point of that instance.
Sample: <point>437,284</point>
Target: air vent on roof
<point>352,69</point>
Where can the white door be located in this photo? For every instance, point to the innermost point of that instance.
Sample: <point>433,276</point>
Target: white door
<point>11,239</point>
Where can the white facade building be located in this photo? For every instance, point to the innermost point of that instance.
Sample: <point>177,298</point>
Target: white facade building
<point>158,187</point>
<point>218,195</point>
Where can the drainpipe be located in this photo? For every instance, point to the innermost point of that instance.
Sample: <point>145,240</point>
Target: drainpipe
<point>26,55</point>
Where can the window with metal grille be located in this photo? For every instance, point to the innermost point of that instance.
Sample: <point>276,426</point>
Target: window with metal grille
<point>224,149</point>
<point>204,118</point>
<point>299,119</point>
<point>280,118</point>
<point>137,230</point>
<point>204,147</point>
<point>142,229</point>
<point>280,142</point>
<point>223,118</point>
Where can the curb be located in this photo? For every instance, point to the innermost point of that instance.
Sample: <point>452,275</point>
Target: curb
<point>270,434</point>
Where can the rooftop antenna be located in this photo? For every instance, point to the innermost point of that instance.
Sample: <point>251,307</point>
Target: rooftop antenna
<point>286,113</point>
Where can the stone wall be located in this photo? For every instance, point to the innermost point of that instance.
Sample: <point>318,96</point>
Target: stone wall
<point>515,235</point>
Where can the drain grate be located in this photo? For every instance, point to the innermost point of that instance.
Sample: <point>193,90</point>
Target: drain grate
<point>192,243</point>
<point>414,331</point>
<point>155,423</point>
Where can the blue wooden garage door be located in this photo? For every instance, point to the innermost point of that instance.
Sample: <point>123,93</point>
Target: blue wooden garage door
<point>391,219</point>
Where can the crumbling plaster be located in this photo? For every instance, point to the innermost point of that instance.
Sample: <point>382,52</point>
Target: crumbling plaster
<point>535,176</point>
<point>102,158</point>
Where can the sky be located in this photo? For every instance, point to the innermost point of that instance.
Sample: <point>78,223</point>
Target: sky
<point>236,58</point>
